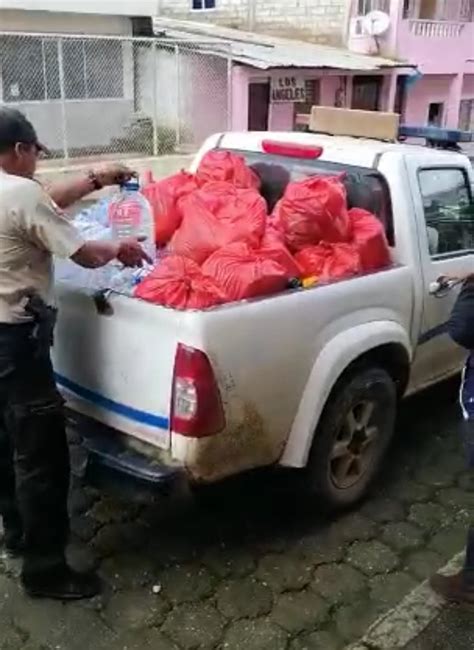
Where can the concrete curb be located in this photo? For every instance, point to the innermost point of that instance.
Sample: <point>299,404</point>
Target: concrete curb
<point>403,623</point>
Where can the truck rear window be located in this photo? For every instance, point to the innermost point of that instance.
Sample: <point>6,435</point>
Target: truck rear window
<point>366,188</point>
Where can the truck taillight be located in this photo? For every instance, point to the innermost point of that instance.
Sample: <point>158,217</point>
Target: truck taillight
<point>196,408</point>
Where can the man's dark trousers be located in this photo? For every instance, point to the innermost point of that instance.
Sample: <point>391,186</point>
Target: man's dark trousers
<point>34,457</point>
<point>467,405</point>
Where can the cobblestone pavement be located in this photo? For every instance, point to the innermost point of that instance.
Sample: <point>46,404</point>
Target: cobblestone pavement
<point>255,568</point>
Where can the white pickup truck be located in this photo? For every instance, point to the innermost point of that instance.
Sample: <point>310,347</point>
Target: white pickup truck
<point>306,379</point>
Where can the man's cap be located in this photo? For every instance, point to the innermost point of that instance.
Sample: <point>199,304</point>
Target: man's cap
<point>15,128</point>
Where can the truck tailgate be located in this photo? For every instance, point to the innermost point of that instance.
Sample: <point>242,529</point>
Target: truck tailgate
<point>117,368</point>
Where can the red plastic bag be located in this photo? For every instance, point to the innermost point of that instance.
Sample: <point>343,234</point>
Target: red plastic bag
<point>178,282</point>
<point>273,234</point>
<point>244,273</point>
<point>242,209</point>
<point>163,197</point>
<point>368,235</point>
<point>329,261</point>
<point>215,216</point>
<point>273,246</point>
<point>313,210</point>
<point>221,165</point>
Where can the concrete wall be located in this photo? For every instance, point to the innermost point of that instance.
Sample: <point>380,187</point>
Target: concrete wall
<point>62,22</point>
<point>318,20</point>
<point>88,122</point>
<point>115,7</point>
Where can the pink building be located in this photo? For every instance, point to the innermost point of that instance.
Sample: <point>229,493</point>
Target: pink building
<point>438,37</point>
<point>418,60</point>
<point>271,80</point>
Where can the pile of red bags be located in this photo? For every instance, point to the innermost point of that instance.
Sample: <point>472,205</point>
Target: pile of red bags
<point>222,246</point>
<point>244,272</point>
<point>164,197</point>
<point>329,241</point>
<point>221,165</point>
<point>178,282</point>
<point>313,210</point>
<point>215,216</point>
<point>368,236</point>
<point>327,261</point>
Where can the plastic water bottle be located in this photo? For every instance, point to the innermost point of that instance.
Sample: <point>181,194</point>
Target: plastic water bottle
<point>130,215</point>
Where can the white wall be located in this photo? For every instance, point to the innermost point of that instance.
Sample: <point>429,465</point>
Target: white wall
<point>89,122</point>
<point>45,21</point>
<point>317,20</point>
<point>112,7</point>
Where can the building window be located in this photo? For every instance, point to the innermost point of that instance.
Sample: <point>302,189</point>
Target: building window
<point>408,8</point>
<point>364,7</point>
<point>201,5</point>
<point>30,69</point>
<point>466,115</point>
<point>467,11</point>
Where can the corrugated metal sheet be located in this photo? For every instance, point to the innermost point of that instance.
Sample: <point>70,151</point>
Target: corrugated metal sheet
<point>267,52</point>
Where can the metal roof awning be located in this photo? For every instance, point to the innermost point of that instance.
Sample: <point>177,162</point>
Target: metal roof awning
<point>268,52</point>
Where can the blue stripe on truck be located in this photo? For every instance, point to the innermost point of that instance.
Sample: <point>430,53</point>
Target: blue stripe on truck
<point>157,421</point>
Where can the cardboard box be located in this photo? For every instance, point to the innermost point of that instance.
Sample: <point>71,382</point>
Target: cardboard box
<point>360,124</point>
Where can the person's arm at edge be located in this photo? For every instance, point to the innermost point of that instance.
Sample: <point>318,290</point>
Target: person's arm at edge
<point>94,254</point>
<point>67,192</point>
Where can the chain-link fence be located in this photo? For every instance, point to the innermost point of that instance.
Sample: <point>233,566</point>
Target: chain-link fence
<point>94,96</point>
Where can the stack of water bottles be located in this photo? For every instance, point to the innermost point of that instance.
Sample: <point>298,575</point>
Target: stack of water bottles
<point>126,214</point>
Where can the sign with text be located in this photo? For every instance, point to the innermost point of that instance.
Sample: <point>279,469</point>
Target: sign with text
<point>288,89</point>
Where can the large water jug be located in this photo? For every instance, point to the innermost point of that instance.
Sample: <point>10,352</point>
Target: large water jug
<point>130,215</point>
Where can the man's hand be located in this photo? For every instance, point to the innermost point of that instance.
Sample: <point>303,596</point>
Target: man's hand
<point>130,253</point>
<point>94,254</point>
<point>113,174</point>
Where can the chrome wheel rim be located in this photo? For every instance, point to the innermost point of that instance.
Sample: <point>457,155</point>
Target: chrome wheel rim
<point>354,445</point>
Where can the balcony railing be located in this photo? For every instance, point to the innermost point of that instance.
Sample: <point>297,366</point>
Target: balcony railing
<point>436,28</point>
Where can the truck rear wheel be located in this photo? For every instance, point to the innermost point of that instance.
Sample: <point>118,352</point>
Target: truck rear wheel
<point>353,434</point>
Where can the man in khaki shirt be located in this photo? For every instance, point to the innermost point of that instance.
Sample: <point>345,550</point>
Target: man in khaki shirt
<point>34,459</point>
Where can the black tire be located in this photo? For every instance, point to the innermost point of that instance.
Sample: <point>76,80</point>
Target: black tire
<point>332,481</point>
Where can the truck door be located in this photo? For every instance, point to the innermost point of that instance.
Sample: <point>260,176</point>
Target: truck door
<point>443,202</point>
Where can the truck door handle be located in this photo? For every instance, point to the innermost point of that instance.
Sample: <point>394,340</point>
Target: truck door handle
<point>442,286</point>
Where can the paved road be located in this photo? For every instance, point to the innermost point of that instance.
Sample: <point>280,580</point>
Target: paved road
<point>256,568</point>
<point>453,630</point>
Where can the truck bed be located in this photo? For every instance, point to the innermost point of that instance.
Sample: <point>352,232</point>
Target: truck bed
<point>118,368</point>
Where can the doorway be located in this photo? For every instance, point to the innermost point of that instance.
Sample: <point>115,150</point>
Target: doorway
<point>435,114</point>
<point>366,93</point>
<point>259,102</point>
<point>428,10</point>
<point>401,96</point>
